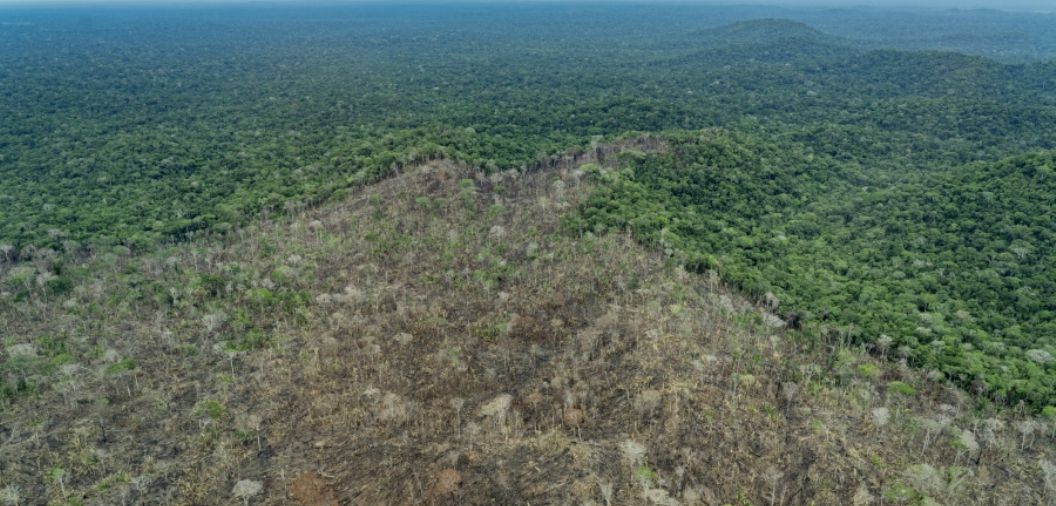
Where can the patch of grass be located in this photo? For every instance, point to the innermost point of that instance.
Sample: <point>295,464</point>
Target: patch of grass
<point>901,388</point>
<point>252,339</point>
<point>121,366</point>
<point>870,371</point>
<point>899,493</point>
<point>646,475</point>
<point>113,480</point>
<point>211,408</point>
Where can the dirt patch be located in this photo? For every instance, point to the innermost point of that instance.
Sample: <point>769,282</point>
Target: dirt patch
<point>309,489</point>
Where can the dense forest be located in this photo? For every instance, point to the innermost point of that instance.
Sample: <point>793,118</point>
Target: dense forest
<point>127,130</point>
<point>442,240</point>
<point>950,269</point>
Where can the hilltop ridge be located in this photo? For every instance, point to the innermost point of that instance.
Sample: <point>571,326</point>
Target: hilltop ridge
<point>764,30</point>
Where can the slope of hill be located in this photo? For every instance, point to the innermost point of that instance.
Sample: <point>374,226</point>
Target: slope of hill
<point>452,337</point>
<point>953,269</point>
<point>1004,35</point>
<point>761,31</point>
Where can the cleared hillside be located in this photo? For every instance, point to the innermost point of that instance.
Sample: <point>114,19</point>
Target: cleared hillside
<point>451,337</point>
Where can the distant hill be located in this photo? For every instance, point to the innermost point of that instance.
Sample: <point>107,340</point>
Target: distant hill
<point>760,31</point>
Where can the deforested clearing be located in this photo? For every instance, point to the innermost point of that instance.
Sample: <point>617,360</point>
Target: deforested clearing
<point>449,336</point>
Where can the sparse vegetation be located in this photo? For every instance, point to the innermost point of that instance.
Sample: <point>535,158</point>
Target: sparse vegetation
<point>378,257</point>
<point>602,338</point>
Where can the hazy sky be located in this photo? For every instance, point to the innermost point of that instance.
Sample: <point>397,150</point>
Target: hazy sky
<point>1036,5</point>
